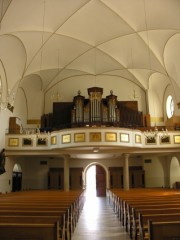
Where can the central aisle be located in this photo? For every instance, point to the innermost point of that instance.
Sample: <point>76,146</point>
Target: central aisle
<point>98,222</point>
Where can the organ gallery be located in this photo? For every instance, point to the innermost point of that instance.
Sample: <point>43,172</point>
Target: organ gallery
<point>93,111</point>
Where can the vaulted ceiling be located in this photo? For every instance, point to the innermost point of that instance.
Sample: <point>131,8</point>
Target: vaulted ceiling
<point>56,39</point>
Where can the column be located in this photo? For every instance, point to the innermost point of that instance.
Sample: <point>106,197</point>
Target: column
<point>126,171</point>
<point>66,173</point>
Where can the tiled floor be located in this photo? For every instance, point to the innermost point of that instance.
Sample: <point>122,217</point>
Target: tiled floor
<point>98,222</point>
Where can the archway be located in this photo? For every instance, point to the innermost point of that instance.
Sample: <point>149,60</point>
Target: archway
<point>174,172</point>
<point>16,178</point>
<point>96,179</point>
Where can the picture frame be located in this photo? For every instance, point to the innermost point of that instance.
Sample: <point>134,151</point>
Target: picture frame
<point>13,142</point>
<point>95,137</point>
<point>41,142</point>
<point>151,140</point>
<point>124,137</point>
<point>110,137</point>
<point>53,140</point>
<point>177,139</point>
<point>27,142</point>
<point>138,138</point>
<point>66,138</point>
<point>165,140</point>
<point>79,137</point>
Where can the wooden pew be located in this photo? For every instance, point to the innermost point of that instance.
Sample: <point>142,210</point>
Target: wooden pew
<point>157,199</point>
<point>156,211</point>
<point>14,219</point>
<point>29,231</point>
<point>42,206</point>
<point>164,230</point>
<point>144,218</point>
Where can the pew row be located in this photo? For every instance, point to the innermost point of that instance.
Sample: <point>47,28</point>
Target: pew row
<point>29,231</point>
<point>45,208</point>
<point>164,230</point>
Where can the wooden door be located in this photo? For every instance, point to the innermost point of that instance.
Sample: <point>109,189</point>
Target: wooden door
<point>100,182</point>
<point>16,181</point>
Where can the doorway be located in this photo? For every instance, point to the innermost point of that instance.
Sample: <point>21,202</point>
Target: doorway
<point>96,181</point>
<point>16,178</point>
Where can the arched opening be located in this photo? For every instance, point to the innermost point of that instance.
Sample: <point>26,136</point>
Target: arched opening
<point>174,172</point>
<point>16,178</point>
<point>91,181</point>
<point>95,179</point>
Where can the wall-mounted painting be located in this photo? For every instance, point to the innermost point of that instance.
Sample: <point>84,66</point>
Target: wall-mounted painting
<point>177,139</point>
<point>124,137</point>
<point>66,138</point>
<point>110,137</point>
<point>79,137</point>
<point>95,137</point>
<point>41,141</point>
<point>137,138</point>
<point>27,141</point>
<point>53,140</point>
<point>151,140</point>
<point>13,142</point>
<point>165,140</point>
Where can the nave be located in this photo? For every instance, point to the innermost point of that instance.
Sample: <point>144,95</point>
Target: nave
<point>98,221</point>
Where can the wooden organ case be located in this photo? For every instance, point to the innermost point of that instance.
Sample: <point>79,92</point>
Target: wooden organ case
<point>97,111</point>
<point>93,111</point>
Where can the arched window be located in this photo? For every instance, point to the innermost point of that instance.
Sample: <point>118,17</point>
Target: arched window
<point>169,106</point>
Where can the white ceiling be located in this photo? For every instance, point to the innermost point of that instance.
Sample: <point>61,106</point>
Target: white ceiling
<point>56,39</point>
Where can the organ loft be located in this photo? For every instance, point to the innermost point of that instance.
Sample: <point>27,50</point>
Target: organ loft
<point>93,111</point>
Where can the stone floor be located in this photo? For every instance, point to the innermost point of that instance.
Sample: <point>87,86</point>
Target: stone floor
<point>98,222</point>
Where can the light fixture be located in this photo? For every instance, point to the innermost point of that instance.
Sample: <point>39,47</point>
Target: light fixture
<point>135,96</point>
<point>95,150</point>
<point>152,134</point>
<point>6,102</point>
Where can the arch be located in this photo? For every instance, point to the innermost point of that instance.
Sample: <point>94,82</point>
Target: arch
<point>90,165</point>
<point>174,171</point>
<point>17,168</point>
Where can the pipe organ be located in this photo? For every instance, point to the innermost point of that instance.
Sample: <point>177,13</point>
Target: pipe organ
<point>96,110</point>
<point>93,111</point>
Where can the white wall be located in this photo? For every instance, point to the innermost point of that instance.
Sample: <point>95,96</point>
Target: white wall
<point>154,174</point>
<point>35,175</point>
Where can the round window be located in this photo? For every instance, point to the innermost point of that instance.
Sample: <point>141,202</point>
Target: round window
<point>169,107</point>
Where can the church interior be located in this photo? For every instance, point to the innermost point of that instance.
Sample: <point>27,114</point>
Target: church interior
<point>90,86</point>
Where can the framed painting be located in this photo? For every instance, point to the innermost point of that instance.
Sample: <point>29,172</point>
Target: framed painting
<point>27,141</point>
<point>95,137</point>
<point>124,137</point>
<point>41,142</point>
<point>151,140</point>
<point>13,142</point>
<point>177,139</point>
<point>66,138</point>
<point>137,138</point>
<point>110,137</point>
<point>165,140</point>
<point>79,137</point>
<point>53,140</point>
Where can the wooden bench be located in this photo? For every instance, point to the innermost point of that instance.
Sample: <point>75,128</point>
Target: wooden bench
<point>144,218</point>
<point>41,208</point>
<point>164,230</point>
<point>135,227</point>
<point>154,200</point>
<point>14,219</point>
<point>29,231</point>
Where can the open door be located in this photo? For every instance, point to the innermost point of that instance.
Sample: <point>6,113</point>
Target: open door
<point>100,181</point>
<point>17,178</point>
